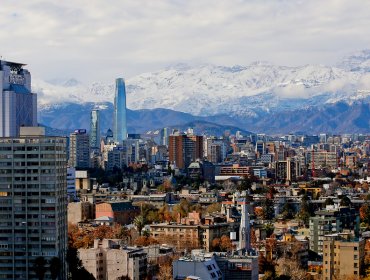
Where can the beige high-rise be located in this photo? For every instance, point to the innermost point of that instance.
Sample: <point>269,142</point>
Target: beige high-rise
<point>342,256</point>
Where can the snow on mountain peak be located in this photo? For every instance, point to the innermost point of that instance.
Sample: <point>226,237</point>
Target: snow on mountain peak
<point>237,90</point>
<point>358,61</point>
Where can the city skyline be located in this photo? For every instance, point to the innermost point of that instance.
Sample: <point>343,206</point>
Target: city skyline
<point>168,32</point>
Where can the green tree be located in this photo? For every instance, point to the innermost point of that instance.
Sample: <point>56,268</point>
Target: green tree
<point>266,267</point>
<point>246,184</point>
<point>287,211</point>
<point>345,201</point>
<point>39,267</point>
<point>54,267</point>
<point>304,213</point>
<point>139,223</point>
<point>269,228</point>
<point>268,209</point>
<point>329,201</point>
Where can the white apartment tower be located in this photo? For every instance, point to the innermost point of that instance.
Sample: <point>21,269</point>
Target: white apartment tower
<point>18,105</point>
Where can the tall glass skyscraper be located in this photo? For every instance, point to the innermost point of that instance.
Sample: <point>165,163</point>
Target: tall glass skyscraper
<point>95,129</point>
<point>120,123</point>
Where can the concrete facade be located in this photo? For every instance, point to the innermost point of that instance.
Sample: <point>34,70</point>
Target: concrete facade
<point>192,232</point>
<point>79,149</point>
<point>343,257</point>
<point>80,211</point>
<point>33,199</point>
<point>108,260</point>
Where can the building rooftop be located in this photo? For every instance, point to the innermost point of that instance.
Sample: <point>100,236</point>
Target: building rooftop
<point>122,205</point>
<point>13,65</point>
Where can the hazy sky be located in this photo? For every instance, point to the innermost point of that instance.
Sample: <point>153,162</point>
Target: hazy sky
<point>99,40</point>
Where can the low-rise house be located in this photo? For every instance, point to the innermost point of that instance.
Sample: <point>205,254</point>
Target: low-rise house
<point>192,232</point>
<point>122,212</point>
<point>108,260</point>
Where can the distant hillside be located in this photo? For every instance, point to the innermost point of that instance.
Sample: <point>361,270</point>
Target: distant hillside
<point>70,116</point>
<point>334,118</point>
<point>339,117</point>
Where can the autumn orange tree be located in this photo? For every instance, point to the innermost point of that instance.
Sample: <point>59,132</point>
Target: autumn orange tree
<point>165,214</point>
<point>222,244</point>
<point>84,238</point>
<point>258,211</point>
<point>145,241</point>
<point>365,214</point>
<point>79,238</point>
<point>103,232</point>
<point>182,208</point>
<point>166,269</point>
<point>214,207</point>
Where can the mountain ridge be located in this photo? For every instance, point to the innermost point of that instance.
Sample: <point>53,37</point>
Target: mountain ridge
<point>259,91</point>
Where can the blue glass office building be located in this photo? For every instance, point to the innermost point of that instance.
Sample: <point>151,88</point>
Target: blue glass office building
<point>120,123</point>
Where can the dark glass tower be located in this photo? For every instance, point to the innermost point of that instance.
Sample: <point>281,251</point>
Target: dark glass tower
<point>120,123</point>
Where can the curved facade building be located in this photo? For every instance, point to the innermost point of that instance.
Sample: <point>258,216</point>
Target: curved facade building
<point>120,123</point>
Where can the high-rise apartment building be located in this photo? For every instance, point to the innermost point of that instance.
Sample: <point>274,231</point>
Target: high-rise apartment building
<point>120,118</point>
<point>184,149</point>
<point>18,105</point>
<point>79,149</point>
<point>343,256</point>
<point>288,169</point>
<point>322,159</point>
<point>33,199</point>
<point>329,221</point>
<point>215,149</point>
<point>95,129</point>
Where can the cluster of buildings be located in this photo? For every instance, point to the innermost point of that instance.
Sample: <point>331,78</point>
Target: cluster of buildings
<point>46,183</point>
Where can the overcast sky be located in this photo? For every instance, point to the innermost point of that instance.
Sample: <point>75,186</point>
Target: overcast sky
<point>99,40</point>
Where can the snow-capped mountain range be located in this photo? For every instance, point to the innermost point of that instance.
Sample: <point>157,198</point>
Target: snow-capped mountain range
<point>239,91</point>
